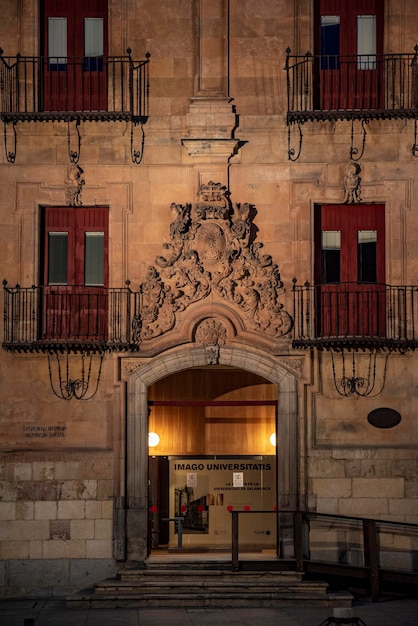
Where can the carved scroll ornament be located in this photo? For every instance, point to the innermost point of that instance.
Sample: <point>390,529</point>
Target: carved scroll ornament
<point>211,253</point>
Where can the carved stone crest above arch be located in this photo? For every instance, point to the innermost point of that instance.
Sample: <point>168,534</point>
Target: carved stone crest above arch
<point>212,259</point>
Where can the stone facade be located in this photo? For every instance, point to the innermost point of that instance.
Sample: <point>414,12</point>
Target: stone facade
<point>214,186</point>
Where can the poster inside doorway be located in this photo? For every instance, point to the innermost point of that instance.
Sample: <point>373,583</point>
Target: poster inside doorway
<point>204,492</point>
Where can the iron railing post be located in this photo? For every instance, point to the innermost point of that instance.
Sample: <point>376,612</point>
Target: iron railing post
<point>371,556</point>
<point>235,548</point>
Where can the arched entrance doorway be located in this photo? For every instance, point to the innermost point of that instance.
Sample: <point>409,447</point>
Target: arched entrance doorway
<point>212,450</point>
<point>187,358</point>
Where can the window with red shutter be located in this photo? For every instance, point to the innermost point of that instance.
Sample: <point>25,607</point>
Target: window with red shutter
<point>75,47</point>
<point>349,40</point>
<point>350,270</point>
<point>75,272</point>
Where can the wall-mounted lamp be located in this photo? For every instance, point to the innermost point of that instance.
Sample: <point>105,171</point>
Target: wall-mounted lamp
<point>273,439</point>
<point>153,440</point>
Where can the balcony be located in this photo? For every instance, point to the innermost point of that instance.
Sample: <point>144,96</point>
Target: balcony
<point>112,88</point>
<point>69,318</point>
<point>88,89</point>
<point>355,316</point>
<point>351,87</point>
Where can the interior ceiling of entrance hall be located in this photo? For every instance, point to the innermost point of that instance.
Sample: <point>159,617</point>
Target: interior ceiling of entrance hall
<point>209,430</point>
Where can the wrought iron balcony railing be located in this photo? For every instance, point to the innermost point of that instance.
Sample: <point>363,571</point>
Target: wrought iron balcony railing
<point>351,87</point>
<point>354,315</point>
<point>114,88</point>
<point>62,318</point>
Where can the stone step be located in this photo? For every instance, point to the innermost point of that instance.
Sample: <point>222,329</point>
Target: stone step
<point>170,586</point>
<point>206,566</point>
<point>184,586</point>
<point>208,599</point>
<point>140,575</point>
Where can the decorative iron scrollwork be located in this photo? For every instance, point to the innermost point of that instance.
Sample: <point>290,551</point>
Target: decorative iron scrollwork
<point>415,144</point>
<point>10,154</point>
<point>354,151</point>
<point>137,155</point>
<point>74,155</point>
<point>354,379</point>
<point>73,380</point>
<point>291,152</point>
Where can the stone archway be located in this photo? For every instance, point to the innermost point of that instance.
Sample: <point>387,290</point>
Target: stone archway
<point>179,359</point>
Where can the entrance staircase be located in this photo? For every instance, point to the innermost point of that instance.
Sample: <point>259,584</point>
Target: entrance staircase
<point>193,583</point>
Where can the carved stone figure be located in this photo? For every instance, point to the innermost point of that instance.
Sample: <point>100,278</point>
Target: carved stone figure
<point>211,254</point>
<point>73,185</point>
<point>351,188</point>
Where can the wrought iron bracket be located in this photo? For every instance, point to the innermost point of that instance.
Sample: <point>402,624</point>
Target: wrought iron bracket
<point>10,154</point>
<point>137,155</point>
<point>291,152</point>
<point>351,381</point>
<point>415,144</point>
<point>74,155</point>
<point>74,382</point>
<point>354,151</point>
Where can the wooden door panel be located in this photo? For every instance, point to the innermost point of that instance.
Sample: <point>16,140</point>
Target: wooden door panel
<point>73,81</point>
<point>351,307</point>
<point>347,81</point>
<point>73,309</point>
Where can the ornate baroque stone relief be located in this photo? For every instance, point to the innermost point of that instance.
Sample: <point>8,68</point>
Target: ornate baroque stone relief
<point>293,364</point>
<point>212,253</point>
<point>211,333</point>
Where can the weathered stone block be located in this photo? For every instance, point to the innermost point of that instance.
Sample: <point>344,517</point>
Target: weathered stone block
<point>60,529</point>
<point>63,549</point>
<point>363,507</point>
<point>403,506</point>
<point>82,529</point>
<point>7,510</point>
<point>24,529</point>
<point>36,490</point>
<point>8,492</point>
<point>103,529</point>
<point>79,490</point>
<point>324,468</point>
<point>35,549</point>
<point>13,550</point>
<point>71,509</point>
<point>99,549</point>
<point>46,510</point>
<point>66,470</point>
<point>89,571</point>
<point>93,509</point>
<point>377,488</point>
<point>25,510</point>
<point>43,471</point>
<point>332,487</point>
<point>36,573</point>
<point>22,471</point>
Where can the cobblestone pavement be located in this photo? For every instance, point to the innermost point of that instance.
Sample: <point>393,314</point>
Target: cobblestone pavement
<point>53,612</point>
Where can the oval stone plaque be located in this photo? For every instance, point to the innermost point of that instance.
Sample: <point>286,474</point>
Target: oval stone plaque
<point>384,418</point>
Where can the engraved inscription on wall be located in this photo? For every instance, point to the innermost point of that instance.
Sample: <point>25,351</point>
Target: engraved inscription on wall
<point>34,431</point>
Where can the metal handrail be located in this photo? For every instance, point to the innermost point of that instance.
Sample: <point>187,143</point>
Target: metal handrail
<point>372,572</point>
<point>105,87</point>
<point>344,86</point>
<point>45,318</point>
<point>386,314</point>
